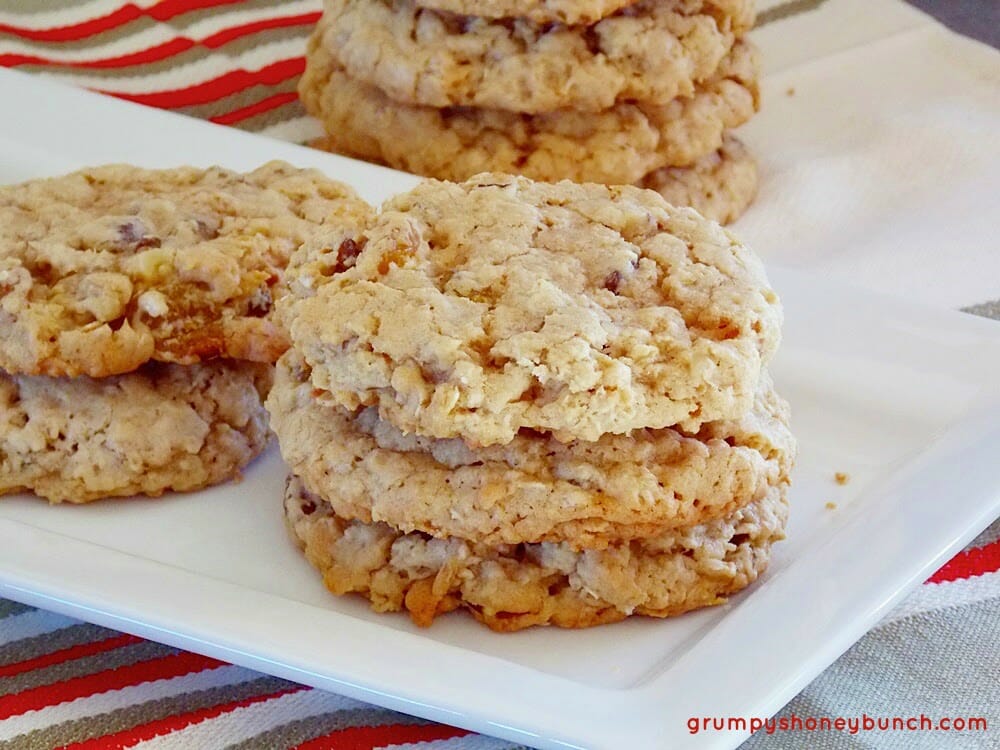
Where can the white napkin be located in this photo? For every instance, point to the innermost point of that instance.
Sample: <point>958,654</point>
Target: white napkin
<point>879,146</point>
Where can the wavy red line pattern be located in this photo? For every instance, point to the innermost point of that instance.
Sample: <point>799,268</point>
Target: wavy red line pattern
<point>135,735</point>
<point>100,682</point>
<point>162,11</point>
<point>164,50</point>
<point>969,564</point>
<point>369,738</point>
<point>217,88</point>
<point>68,654</point>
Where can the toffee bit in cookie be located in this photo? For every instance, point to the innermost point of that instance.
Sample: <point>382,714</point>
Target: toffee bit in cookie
<point>132,235</point>
<point>612,281</point>
<point>790,91</point>
<point>842,478</point>
<point>347,253</point>
<point>831,506</point>
<point>208,228</point>
<point>259,304</point>
<point>131,232</point>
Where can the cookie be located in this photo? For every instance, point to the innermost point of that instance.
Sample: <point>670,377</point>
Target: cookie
<point>163,427</point>
<point>482,308</point>
<point>512,587</point>
<point>541,11</point>
<point>534,488</point>
<point>651,52</point>
<point>741,13</point>
<point>620,145</point>
<point>720,186</point>
<point>110,267</point>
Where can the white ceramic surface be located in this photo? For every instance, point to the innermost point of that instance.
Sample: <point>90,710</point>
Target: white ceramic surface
<point>905,399</point>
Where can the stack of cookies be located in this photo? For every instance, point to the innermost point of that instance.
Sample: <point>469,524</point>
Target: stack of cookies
<point>544,403</point>
<point>136,334</point>
<point>611,91</point>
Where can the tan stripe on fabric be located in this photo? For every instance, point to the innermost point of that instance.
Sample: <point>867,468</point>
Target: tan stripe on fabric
<point>46,643</point>
<point>301,730</point>
<point>22,8</point>
<point>177,62</point>
<point>194,16</point>
<point>9,609</point>
<point>787,10</point>
<point>128,717</point>
<point>67,670</point>
<point>283,113</point>
<point>95,41</point>
<point>238,100</point>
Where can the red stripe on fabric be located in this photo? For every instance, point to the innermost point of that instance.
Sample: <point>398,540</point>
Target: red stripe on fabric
<point>970,563</point>
<point>167,9</point>
<point>162,51</point>
<point>135,735</point>
<point>264,105</point>
<point>66,654</point>
<point>162,11</point>
<point>368,738</point>
<point>111,679</point>
<point>123,15</point>
<point>225,36</point>
<point>142,57</point>
<point>217,88</point>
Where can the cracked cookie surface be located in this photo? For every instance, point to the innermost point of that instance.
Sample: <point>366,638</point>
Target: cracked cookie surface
<point>650,52</point>
<point>535,488</point>
<point>478,309</point>
<point>620,145</point>
<point>512,587</point>
<point>110,267</point>
<point>575,12</point>
<point>162,427</point>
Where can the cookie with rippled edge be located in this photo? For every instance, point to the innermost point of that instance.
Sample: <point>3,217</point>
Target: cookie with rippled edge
<point>720,186</point>
<point>482,308</point>
<point>512,587</point>
<point>162,427</point>
<point>576,12</point>
<point>533,489</point>
<point>651,52</point>
<point>110,267</point>
<point>620,145</point>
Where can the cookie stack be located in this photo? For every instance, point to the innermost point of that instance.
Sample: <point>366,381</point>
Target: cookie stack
<point>545,403</point>
<point>136,335</point>
<point>608,91</point>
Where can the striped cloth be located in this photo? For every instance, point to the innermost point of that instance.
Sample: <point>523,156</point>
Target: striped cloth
<point>64,683</point>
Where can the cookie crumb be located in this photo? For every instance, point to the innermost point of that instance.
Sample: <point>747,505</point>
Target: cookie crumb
<point>790,91</point>
<point>831,506</point>
<point>842,477</point>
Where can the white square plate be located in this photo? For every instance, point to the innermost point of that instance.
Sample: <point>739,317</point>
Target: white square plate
<point>901,397</point>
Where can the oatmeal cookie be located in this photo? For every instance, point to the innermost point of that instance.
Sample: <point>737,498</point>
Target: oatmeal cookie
<point>162,427</point>
<point>478,309</point>
<point>620,145</point>
<point>534,488</point>
<point>651,52</point>
<point>110,267</point>
<point>511,587</point>
<point>575,12</point>
<point>720,186</point>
